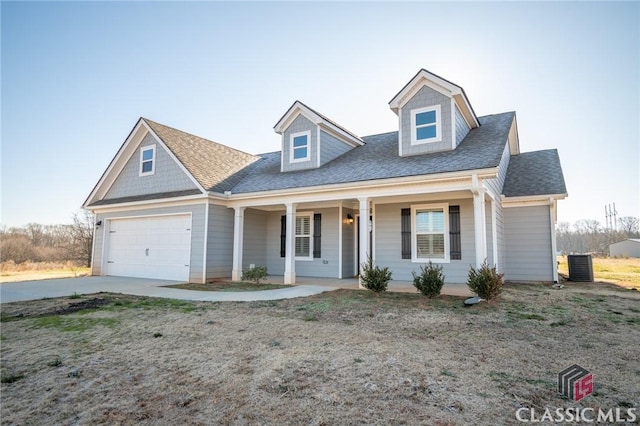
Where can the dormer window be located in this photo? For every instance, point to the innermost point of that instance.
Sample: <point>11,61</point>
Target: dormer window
<point>147,160</point>
<point>300,146</point>
<point>425,125</point>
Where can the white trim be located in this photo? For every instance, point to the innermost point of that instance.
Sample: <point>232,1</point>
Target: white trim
<point>534,200</point>
<point>356,265</point>
<point>494,232</point>
<point>144,149</point>
<point>206,241</point>
<point>292,136</point>
<point>238,243</point>
<point>298,108</point>
<point>400,152</point>
<point>372,213</point>
<point>310,236</point>
<point>454,137</point>
<point>445,233</point>
<point>437,124</point>
<point>340,226</point>
<point>363,206</point>
<point>290,242</point>
<point>318,147</point>
<point>93,242</point>
<point>160,202</point>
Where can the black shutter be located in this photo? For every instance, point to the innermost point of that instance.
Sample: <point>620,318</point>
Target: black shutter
<point>283,235</point>
<point>455,245</point>
<point>405,220</point>
<point>317,231</point>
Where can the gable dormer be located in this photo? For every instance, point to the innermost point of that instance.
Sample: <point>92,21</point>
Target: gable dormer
<point>434,115</point>
<point>310,139</point>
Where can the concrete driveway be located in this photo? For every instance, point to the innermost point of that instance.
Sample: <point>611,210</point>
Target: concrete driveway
<point>33,290</point>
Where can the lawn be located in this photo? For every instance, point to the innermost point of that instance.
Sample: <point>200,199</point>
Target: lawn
<point>622,271</point>
<point>342,357</point>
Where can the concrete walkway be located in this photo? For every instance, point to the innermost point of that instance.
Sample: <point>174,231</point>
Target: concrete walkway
<point>64,287</point>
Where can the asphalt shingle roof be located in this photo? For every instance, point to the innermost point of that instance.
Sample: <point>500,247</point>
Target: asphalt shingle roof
<point>379,159</point>
<point>534,173</point>
<point>215,166</point>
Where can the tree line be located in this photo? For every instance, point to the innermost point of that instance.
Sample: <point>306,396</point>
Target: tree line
<point>49,243</point>
<point>589,236</point>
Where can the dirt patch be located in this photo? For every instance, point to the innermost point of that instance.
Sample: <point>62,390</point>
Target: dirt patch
<point>342,357</point>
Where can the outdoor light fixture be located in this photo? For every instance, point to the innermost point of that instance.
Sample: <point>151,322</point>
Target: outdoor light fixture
<point>98,223</point>
<point>349,218</point>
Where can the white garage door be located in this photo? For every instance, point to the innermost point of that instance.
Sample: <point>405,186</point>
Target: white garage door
<point>150,247</point>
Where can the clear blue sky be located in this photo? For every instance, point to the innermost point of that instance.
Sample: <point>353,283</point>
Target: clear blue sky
<point>76,76</point>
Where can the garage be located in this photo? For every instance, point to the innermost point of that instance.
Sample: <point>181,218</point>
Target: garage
<point>156,247</point>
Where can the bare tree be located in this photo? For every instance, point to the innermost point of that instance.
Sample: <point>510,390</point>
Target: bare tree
<point>629,226</point>
<point>82,236</point>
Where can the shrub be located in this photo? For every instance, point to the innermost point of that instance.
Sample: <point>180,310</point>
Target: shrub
<point>486,282</point>
<point>430,280</point>
<point>255,274</point>
<point>375,278</point>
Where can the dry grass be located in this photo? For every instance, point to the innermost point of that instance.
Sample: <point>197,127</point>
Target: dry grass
<point>31,271</point>
<point>343,357</point>
<point>624,272</point>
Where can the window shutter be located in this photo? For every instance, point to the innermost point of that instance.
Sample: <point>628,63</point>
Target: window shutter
<point>317,231</point>
<point>406,233</point>
<point>455,249</point>
<point>283,235</point>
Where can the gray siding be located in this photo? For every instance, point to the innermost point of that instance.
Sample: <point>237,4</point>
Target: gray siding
<point>254,249</point>
<point>305,268</point>
<point>331,147</point>
<point>300,124</point>
<point>168,176</point>
<point>424,98</point>
<point>528,244</point>
<point>495,186</point>
<point>348,246</point>
<point>220,242</point>
<point>197,235</point>
<point>388,250</point>
<point>461,127</point>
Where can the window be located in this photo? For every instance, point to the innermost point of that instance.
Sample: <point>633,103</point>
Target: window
<point>303,237</point>
<point>147,160</point>
<point>304,232</point>
<point>425,125</point>
<point>300,147</point>
<point>429,236</point>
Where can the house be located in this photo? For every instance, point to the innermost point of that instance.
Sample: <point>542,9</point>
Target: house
<point>446,186</point>
<point>627,248</point>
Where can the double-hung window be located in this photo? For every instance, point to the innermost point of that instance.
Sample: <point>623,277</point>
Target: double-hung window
<point>300,147</point>
<point>147,160</point>
<point>430,233</point>
<point>425,125</point>
<point>304,234</point>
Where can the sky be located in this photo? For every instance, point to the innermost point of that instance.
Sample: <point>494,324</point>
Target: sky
<point>76,76</point>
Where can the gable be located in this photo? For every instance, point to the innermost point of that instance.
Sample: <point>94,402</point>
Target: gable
<point>167,176</point>
<point>300,126</point>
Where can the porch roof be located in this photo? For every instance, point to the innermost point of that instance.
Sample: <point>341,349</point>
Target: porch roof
<point>378,159</point>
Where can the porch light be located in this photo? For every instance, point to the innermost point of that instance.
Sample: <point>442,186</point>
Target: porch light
<point>349,218</point>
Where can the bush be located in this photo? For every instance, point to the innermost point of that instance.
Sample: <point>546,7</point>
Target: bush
<point>430,280</point>
<point>375,278</point>
<point>254,274</point>
<point>485,282</point>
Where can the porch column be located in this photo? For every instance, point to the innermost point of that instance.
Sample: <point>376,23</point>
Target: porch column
<point>290,244</point>
<point>494,232</point>
<point>364,234</point>
<point>238,240</point>
<point>480,225</point>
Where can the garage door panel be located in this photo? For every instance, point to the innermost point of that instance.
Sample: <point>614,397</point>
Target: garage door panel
<point>150,247</point>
